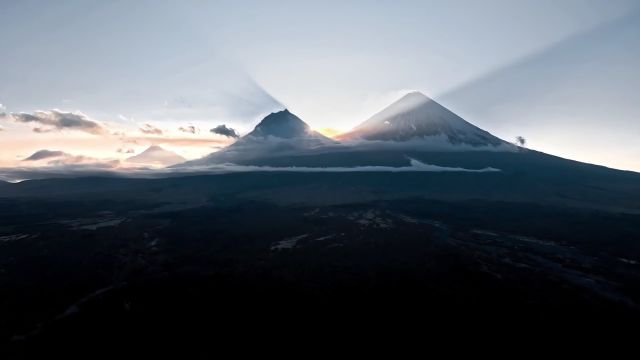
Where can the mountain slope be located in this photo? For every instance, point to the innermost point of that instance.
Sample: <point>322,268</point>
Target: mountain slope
<point>419,119</point>
<point>156,156</point>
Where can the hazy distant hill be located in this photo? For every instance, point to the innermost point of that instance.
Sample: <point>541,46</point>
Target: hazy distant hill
<point>156,155</point>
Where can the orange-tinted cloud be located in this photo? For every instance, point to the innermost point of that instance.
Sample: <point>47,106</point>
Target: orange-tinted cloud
<point>150,129</point>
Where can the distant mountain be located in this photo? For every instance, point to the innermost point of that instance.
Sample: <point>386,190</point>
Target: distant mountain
<point>279,134</point>
<point>417,119</point>
<point>157,156</point>
<point>45,154</point>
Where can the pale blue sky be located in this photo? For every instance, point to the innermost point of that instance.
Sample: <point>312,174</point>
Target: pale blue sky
<point>335,63</point>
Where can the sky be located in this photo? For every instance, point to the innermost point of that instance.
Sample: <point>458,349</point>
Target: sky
<point>563,74</point>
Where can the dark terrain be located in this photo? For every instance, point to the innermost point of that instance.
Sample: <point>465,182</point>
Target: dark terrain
<point>140,261</point>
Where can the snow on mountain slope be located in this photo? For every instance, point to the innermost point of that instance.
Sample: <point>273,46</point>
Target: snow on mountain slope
<point>418,120</point>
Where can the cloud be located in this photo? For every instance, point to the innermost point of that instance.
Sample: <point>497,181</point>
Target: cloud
<point>56,120</point>
<point>45,154</point>
<point>57,169</point>
<point>16,174</point>
<point>125,151</point>
<point>114,168</point>
<point>414,166</point>
<point>1,128</point>
<point>150,129</point>
<point>225,131</point>
<point>189,129</point>
<point>84,161</point>
<point>55,158</point>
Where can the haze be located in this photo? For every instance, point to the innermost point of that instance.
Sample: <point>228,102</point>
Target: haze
<point>561,74</point>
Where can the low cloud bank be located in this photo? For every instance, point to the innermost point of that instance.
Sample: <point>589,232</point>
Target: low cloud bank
<point>79,170</point>
<point>415,166</point>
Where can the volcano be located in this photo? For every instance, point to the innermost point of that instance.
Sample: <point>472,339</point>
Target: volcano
<point>278,134</point>
<point>419,120</point>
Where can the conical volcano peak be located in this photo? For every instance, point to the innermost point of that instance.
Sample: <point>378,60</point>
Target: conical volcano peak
<point>282,124</point>
<point>415,96</point>
<point>415,116</point>
<point>280,116</point>
<point>282,112</point>
<point>279,133</point>
<point>410,101</point>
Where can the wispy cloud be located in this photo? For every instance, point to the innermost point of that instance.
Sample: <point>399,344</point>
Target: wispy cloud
<point>150,129</point>
<point>56,120</point>
<point>189,129</point>
<point>173,140</point>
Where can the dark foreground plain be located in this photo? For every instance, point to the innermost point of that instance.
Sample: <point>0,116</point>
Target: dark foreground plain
<point>153,264</point>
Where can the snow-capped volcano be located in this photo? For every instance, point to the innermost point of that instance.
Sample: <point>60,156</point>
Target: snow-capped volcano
<point>285,125</point>
<point>280,133</point>
<point>156,156</point>
<point>416,118</point>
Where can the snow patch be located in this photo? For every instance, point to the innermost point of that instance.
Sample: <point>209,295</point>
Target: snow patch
<point>92,224</point>
<point>288,243</point>
<point>15,237</point>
